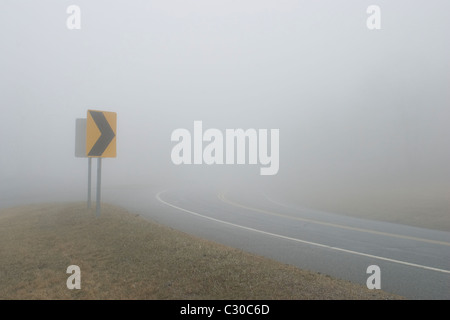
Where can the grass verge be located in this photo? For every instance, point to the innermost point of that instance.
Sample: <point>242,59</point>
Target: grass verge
<point>124,256</point>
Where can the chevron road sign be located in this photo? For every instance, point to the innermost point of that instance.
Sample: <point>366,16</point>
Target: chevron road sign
<point>101,134</point>
<point>95,137</point>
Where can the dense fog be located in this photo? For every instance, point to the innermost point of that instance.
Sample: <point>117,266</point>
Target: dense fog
<point>363,115</point>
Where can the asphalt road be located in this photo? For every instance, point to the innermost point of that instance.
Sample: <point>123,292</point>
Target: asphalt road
<point>414,262</point>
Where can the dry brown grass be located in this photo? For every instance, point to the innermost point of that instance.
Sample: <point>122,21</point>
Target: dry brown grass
<point>124,256</point>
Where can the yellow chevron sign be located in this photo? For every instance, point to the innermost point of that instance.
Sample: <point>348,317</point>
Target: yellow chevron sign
<point>101,129</point>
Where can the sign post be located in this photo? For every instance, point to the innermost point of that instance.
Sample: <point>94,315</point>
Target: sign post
<point>89,182</point>
<point>100,143</point>
<point>99,181</point>
<point>80,152</point>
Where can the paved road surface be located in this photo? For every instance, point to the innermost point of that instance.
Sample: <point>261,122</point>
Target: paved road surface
<point>414,262</point>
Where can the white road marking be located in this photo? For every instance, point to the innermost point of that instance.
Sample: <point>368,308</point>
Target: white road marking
<point>158,197</point>
<point>334,225</point>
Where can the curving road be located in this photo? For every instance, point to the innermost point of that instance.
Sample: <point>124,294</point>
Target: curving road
<point>414,262</point>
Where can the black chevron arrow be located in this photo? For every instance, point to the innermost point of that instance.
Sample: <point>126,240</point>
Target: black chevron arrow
<point>107,134</point>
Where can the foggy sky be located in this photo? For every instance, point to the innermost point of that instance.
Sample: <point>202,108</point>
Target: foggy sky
<point>360,112</point>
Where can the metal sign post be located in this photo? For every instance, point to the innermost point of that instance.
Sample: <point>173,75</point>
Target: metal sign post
<point>100,143</point>
<point>89,182</point>
<point>99,181</point>
<point>95,137</point>
<point>80,152</point>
